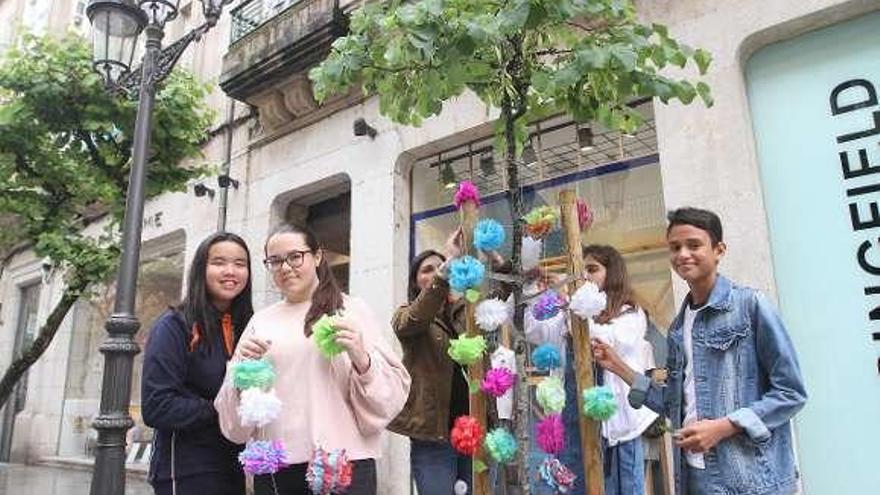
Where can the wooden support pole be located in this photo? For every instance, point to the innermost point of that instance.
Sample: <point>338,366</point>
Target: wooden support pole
<point>583,357</point>
<point>477,402</point>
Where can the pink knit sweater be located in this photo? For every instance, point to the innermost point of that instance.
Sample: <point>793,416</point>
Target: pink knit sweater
<point>326,402</point>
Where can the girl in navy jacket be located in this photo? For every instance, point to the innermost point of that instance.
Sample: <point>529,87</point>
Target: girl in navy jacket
<point>184,365</point>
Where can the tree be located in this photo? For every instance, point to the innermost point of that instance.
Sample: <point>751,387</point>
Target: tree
<point>65,153</point>
<point>527,58</point>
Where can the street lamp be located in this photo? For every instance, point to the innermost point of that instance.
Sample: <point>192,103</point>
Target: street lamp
<point>116,26</point>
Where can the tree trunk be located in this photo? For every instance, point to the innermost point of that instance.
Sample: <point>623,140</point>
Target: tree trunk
<point>29,356</point>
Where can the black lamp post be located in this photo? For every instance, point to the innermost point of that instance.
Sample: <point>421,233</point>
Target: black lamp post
<point>116,25</point>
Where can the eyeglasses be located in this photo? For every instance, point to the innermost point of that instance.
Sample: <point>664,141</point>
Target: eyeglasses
<point>294,259</point>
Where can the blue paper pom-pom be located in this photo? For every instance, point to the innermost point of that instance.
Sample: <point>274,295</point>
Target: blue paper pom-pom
<point>465,272</point>
<point>488,235</point>
<point>546,357</point>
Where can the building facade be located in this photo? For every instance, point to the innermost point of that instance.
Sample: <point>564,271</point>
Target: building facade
<point>787,156</point>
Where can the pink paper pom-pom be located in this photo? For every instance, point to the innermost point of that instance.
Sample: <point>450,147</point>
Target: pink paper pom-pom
<point>467,191</point>
<point>497,381</point>
<point>585,214</point>
<point>551,434</point>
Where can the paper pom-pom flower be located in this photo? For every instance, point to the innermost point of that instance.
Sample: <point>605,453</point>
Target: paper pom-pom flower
<point>531,252</point>
<point>488,235</point>
<point>599,403</point>
<point>501,445</point>
<point>546,357</point>
<point>540,221</point>
<point>588,301</point>
<point>497,381</point>
<point>253,373</point>
<point>491,314</point>
<point>556,475</point>
<point>262,457</point>
<point>465,272</point>
<point>258,408</point>
<point>585,214</point>
<point>329,473</point>
<point>324,331</point>
<point>467,191</point>
<point>467,435</point>
<point>548,305</point>
<point>466,350</point>
<point>550,395</point>
<point>551,434</point>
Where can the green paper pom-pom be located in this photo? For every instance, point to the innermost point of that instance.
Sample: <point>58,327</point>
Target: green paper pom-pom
<point>599,403</point>
<point>551,395</point>
<point>501,445</point>
<point>253,373</point>
<point>467,350</point>
<point>325,336</point>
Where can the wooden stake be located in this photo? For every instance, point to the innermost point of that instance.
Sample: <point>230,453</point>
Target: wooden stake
<point>583,357</point>
<point>477,402</point>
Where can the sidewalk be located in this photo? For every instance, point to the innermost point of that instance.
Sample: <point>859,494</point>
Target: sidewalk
<point>19,479</point>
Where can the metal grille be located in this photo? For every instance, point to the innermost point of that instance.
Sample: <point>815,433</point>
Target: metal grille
<point>252,13</point>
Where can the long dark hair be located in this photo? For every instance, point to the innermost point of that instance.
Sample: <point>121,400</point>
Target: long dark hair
<point>412,287</point>
<point>199,313</point>
<point>327,298</point>
<point>617,286</point>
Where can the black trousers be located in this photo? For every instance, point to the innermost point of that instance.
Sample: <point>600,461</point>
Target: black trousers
<point>292,480</point>
<point>204,484</point>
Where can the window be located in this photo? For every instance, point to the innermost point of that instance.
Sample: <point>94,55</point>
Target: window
<point>619,175</point>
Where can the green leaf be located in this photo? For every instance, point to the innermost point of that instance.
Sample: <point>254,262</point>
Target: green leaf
<point>703,59</point>
<point>705,94</point>
<point>473,386</point>
<point>479,466</point>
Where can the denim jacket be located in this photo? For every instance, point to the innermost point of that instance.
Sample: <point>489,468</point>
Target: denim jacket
<point>745,369</point>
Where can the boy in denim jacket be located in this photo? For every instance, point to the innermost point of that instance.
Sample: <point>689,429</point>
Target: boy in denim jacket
<point>734,382</point>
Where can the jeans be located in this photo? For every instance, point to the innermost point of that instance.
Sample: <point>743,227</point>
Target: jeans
<point>436,466</point>
<point>625,468</point>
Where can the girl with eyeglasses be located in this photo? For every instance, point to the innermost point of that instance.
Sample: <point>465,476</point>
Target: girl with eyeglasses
<point>184,365</point>
<point>344,402</point>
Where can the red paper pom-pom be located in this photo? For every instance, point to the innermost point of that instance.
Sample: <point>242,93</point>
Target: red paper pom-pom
<point>467,435</point>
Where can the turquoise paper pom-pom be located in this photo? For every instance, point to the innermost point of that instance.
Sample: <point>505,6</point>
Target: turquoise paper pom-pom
<point>253,373</point>
<point>546,357</point>
<point>501,445</point>
<point>599,403</point>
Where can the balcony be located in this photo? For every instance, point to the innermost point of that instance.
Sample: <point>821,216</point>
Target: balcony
<point>273,45</point>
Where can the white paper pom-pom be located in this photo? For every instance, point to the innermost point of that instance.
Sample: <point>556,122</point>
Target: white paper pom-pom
<point>531,252</point>
<point>258,408</point>
<point>491,314</point>
<point>588,301</point>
